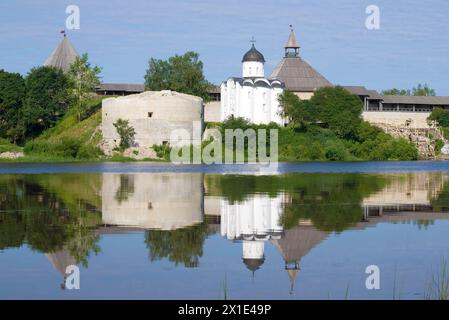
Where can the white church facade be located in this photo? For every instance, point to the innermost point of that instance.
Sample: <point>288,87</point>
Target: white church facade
<point>252,96</point>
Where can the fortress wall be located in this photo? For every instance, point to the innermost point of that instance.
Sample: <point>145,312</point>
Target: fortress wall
<point>212,111</point>
<point>418,119</point>
<point>154,116</point>
<point>304,95</point>
<point>417,188</point>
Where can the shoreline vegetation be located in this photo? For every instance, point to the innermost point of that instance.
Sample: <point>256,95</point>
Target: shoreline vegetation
<point>55,116</point>
<point>310,137</point>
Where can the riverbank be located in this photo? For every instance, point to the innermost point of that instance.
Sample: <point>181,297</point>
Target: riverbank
<point>72,140</point>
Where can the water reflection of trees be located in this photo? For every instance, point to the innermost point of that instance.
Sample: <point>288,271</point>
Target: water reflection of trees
<point>182,246</point>
<point>125,189</point>
<point>49,214</point>
<point>332,201</point>
<point>441,201</point>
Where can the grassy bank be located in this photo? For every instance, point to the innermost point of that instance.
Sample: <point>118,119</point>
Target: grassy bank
<point>6,146</point>
<point>316,143</point>
<point>71,140</point>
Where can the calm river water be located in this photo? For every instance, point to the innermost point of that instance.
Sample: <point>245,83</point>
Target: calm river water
<point>158,231</point>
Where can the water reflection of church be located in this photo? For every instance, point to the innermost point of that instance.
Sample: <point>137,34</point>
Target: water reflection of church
<point>176,202</point>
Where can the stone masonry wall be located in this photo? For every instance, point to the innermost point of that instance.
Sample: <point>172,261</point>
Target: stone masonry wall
<point>412,126</point>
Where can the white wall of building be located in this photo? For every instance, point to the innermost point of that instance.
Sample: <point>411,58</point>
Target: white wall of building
<point>255,100</point>
<point>153,115</point>
<point>253,69</point>
<point>417,120</point>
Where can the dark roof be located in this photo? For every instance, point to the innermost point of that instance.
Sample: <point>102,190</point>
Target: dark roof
<point>358,90</point>
<point>253,55</point>
<point>374,95</point>
<point>298,75</point>
<point>63,56</point>
<point>423,100</point>
<point>253,264</point>
<point>390,99</point>
<point>214,89</point>
<point>123,87</point>
<point>362,91</point>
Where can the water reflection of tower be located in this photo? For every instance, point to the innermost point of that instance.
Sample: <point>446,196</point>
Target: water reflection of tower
<point>295,244</point>
<point>253,221</point>
<point>153,200</point>
<point>60,261</point>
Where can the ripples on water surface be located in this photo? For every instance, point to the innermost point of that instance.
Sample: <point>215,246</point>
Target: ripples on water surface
<point>145,231</point>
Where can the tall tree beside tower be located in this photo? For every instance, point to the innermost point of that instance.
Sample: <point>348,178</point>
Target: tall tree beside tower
<point>83,78</point>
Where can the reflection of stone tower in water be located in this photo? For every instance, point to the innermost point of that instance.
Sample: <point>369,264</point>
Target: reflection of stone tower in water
<point>295,244</point>
<point>60,261</point>
<point>161,201</point>
<point>253,221</point>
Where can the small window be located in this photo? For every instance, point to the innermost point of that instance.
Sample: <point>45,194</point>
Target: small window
<point>150,114</point>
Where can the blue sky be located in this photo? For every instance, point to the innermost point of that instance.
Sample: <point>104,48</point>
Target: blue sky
<point>412,45</point>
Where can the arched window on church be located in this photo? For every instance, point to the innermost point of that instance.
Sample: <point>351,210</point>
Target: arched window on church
<point>250,71</point>
<point>264,105</point>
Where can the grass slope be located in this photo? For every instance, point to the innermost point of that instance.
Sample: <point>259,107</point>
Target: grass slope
<point>70,139</point>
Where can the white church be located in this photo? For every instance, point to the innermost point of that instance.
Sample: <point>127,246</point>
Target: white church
<point>252,96</point>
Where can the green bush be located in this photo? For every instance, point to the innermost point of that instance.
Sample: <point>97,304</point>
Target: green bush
<point>6,146</point>
<point>86,152</point>
<point>126,133</point>
<point>438,145</point>
<point>336,151</point>
<point>445,132</point>
<point>162,151</point>
<point>66,148</point>
<point>441,116</point>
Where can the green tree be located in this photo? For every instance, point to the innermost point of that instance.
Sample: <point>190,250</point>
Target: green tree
<point>12,94</point>
<point>339,110</point>
<point>423,90</point>
<point>181,73</point>
<point>46,99</point>
<point>126,133</point>
<point>441,116</point>
<point>420,90</point>
<point>84,78</point>
<point>300,112</point>
<point>396,92</point>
